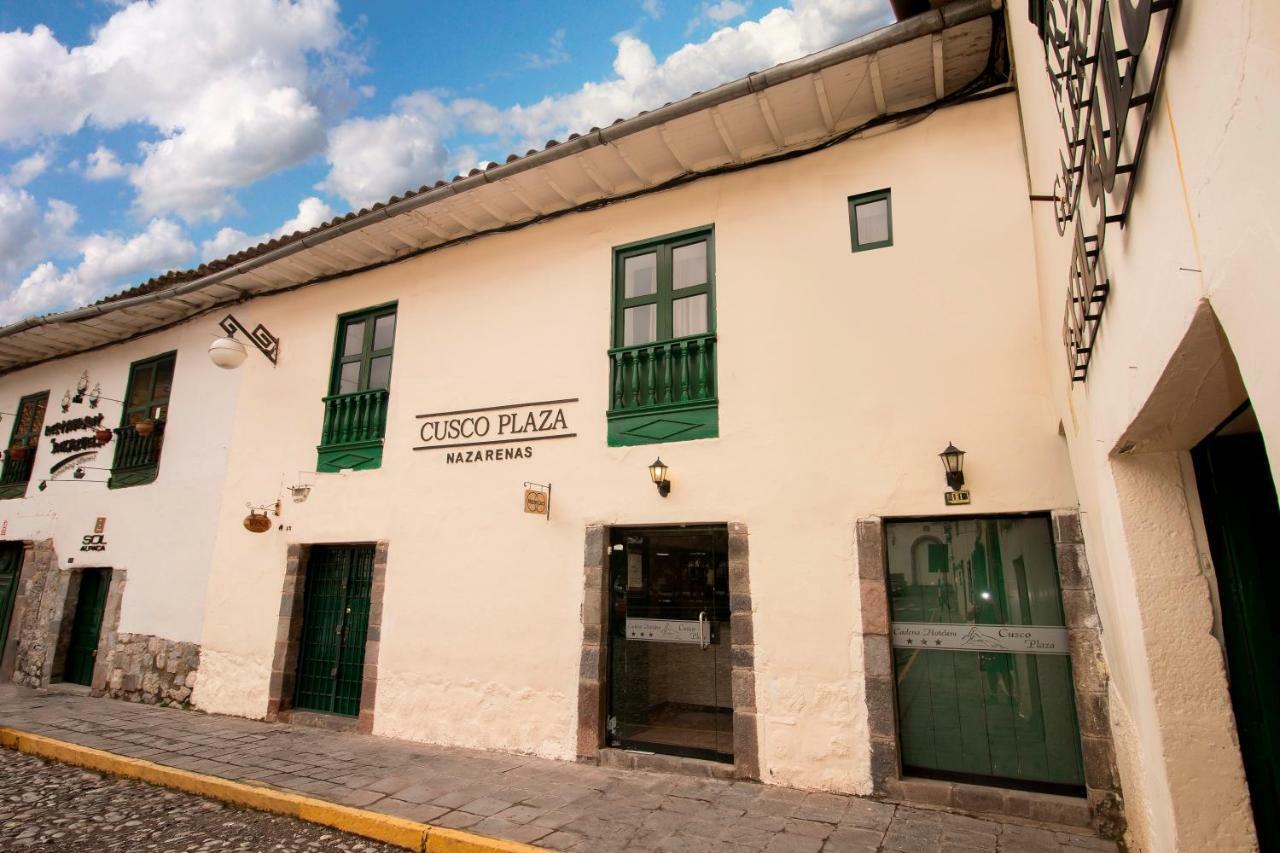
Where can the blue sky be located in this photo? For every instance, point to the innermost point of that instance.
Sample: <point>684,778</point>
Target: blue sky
<point>145,136</point>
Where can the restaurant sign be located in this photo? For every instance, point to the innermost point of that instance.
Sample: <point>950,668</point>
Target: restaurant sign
<point>494,433</point>
<point>1016,639</point>
<point>1102,67</point>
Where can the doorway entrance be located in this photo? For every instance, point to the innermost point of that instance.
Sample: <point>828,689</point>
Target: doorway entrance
<point>670,669</point>
<point>10,569</point>
<point>335,624</point>
<point>1241,515</point>
<point>86,626</point>
<point>984,685</point>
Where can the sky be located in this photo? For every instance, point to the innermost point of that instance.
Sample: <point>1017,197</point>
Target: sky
<point>139,137</point>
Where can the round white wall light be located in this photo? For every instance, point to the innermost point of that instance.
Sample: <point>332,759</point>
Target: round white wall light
<point>227,353</point>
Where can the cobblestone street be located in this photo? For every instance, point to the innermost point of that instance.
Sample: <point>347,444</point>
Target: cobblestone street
<point>49,806</point>
<point>551,804</point>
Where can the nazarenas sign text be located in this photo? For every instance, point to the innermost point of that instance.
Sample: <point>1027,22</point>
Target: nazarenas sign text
<point>464,432</point>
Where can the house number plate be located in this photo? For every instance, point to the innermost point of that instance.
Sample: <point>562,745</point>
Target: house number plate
<point>667,630</point>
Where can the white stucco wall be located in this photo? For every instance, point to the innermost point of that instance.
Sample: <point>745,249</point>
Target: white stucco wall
<point>841,376</point>
<point>162,533</point>
<point>1202,233</point>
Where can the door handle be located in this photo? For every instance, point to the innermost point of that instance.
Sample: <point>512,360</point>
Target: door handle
<point>704,638</point>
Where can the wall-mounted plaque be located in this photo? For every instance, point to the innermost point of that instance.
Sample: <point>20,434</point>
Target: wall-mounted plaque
<point>668,630</point>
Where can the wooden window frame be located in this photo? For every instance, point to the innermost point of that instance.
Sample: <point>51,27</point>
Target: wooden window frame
<point>367,352</point>
<point>865,198</point>
<point>139,475</point>
<point>15,475</point>
<point>664,294</point>
<point>354,425</point>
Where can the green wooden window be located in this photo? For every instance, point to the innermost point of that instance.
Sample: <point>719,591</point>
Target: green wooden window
<point>870,220</point>
<point>355,409</point>
<point>146,402</point>
<point>24,441</point>
<point>662,362</point>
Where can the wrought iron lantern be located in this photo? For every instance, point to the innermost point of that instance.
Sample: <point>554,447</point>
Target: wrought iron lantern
<point>658,473</point>
<point>953,461</point>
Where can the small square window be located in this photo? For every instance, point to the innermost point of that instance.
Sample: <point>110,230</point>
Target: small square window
<point>870,220</point>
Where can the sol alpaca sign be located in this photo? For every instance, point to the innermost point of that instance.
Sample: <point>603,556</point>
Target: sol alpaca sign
<point>1095,85</point>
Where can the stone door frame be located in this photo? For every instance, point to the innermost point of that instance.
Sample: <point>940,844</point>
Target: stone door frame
<point>1105,804</point>
<point>284,663</point>
<point>594,660</point>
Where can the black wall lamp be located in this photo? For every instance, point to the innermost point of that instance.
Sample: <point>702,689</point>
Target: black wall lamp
<point>953,461</point>
<point>229,353</point>
<point>658,473</point>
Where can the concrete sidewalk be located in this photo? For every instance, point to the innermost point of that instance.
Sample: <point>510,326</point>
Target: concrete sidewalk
<point>549,804</point>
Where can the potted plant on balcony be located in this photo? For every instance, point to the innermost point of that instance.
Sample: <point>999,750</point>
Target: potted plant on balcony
<point>17,452</point>
<point>144,427</point>
<point>102,434</point>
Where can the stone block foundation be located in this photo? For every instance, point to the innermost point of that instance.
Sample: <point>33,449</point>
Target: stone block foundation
<point>153,670</point>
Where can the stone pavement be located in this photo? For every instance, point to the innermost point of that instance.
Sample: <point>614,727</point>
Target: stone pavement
<point>49,806</point>
<point>551,804</point>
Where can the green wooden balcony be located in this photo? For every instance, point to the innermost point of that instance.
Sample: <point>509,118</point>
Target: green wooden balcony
<point>354,425</point>
<point>137,458</point>
<point>15,474</point>
<point>663,391</point>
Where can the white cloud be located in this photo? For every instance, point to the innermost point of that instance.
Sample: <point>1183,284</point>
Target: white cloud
<point>29,234</point>
<point>236,89</point>
<point>29,168</point>
<point>372,159</point>
<point>311,212</point>
<point>725,10</point>
<point>652,8</point>
<point>103,165</point>
<point>555,54</point>
<point>104,260</point>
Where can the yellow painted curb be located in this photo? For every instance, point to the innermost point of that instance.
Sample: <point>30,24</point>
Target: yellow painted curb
<point>397,831</point>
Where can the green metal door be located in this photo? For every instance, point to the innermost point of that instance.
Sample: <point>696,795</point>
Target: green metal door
<point>984,683</point>
<point>10,566</point>
<point>335,622</point>
<point>86,625</point>
<point>1241,517</point>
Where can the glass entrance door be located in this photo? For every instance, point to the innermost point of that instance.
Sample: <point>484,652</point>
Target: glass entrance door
<point>980,654</point>
<point>669,667</point>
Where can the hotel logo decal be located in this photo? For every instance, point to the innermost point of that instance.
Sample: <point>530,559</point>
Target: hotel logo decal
<point>1012,639</point>
<point>1095,87</point>
<point>494,433</point>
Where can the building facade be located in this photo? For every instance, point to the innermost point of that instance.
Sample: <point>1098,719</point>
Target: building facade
<point>427,503</point>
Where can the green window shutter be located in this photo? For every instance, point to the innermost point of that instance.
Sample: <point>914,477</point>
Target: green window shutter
<point>25,438</point>
<point>355,409</point>
<point>146,399</point>
<point>871,220</point>
<point>662,365</point>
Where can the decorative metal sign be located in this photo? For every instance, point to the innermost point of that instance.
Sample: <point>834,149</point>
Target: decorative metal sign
<point>80,443</point>
<point>668,630</point>
<point>959,497</point>
<point>1095,86</point>
<point>496,429</point>
<point>1016,639</point>
<point>537,499</point>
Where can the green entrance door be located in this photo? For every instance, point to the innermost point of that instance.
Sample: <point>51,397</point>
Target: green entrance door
<point>980,654</point>
<point>86,626</point>
<point>10,567</point>
<point>1241,516</point>
<point>335,621</point>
